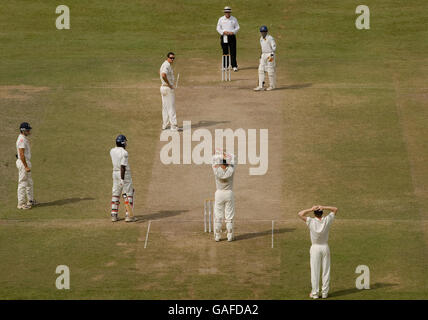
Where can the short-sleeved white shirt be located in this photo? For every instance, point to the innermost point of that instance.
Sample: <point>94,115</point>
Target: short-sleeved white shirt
<point>319,229</point>
<point>167,69</point>
<point>268,44</point>
<point>119,157</point>
<point>23,143</point>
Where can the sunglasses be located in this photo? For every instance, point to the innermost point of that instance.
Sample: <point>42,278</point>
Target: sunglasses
<point>172,58</point>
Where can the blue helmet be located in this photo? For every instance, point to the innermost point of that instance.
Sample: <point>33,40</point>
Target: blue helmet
<point>263,29</point>
<point>121,140</point>
<point>25,126</point>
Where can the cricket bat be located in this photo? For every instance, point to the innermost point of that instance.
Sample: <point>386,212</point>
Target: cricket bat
<point>128,206</point>
<point>176,83</point>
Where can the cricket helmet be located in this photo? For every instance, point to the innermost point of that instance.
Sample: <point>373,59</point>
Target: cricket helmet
<point>121,140</point>
<point>25,126</point>
<point>263,29</point>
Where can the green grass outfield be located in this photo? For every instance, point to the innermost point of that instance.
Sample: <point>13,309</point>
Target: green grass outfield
<point>355,138</point>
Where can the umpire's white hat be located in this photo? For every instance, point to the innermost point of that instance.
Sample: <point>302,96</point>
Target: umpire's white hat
<point>227,9</point>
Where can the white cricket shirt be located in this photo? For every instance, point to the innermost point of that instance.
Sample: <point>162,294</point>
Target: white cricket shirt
<point>119,157</point>
<point>319,228</point>
<point>224,178</point>
<point>23,143</point>
<point>167,69</point>
<point>268,44</point>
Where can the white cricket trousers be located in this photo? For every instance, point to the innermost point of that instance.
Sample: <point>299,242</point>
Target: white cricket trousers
<point>224,208</point>
<point>25,183</point>
<point>269,67</point>
<point>117,191</point>
<point>168,107</point>
<point>128,187</point>
<point>320,257</point>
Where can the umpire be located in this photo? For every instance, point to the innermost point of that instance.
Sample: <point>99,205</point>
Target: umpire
<point>227,27</point>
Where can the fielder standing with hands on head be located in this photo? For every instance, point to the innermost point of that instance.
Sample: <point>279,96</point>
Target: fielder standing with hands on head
<point>25,180</point>
<point>224,202</point>
<point>227,27</point>
<point>167,92</point>
<point>267,60</point>
<point>319,227</point>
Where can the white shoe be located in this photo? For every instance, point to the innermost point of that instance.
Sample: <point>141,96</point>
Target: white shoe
<point>235,69</point>
<point>164,128</point>
<point>259,89</point>
<point>217,237</point>
<point>114,218</point>
<point>174,128</point>
<point>130,219</point>
<point>23,206</point>
<point>313,296</point>
<point>270,88</point>
<point>230,237</point>
<point>325,295</point>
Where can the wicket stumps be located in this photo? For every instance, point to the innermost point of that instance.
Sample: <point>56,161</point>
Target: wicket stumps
<point>208,214</point>
<point>226,67</point>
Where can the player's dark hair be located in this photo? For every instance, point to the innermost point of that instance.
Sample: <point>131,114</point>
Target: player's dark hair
<point>170,53</point>
<point>318,213</point>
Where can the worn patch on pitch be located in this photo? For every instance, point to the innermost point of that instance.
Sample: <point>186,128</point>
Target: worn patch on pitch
<point>20,92</point>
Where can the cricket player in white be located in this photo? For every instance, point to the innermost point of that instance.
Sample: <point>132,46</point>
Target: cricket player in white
<point>267,60</point>
<point>122,181</point>
<point>319,227</point>
<point>25,180</point>
<point>224,203</point>
<point>167,93</point>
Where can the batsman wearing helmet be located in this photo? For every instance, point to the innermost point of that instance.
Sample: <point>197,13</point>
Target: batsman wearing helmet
<point>267,60</point>
<point>224,203</point>
<point>122,181</point>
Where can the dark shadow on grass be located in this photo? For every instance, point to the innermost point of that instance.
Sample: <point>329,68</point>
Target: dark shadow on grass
<point>294,86</point>
<point>246,236</point>
<point>290,87</point>
<point>162,214</point>
<point>62,202</point>
<point>375,286</point>
<point>249,68</point>
<point>207,123</point>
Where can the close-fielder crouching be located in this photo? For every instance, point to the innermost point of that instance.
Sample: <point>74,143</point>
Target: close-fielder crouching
<point>224,203</point>
<point>122,181</point>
